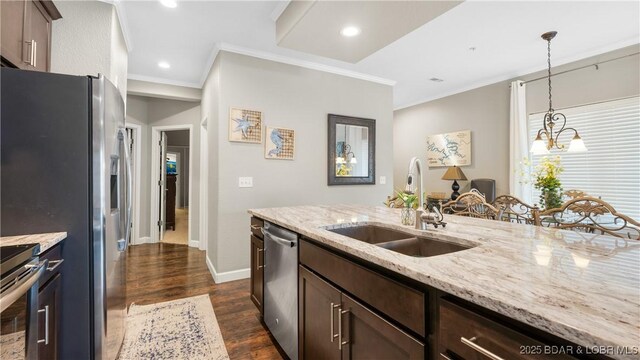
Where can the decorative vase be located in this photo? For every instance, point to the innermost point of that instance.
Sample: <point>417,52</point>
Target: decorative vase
<point>408,216</point>
<point>551,198</point>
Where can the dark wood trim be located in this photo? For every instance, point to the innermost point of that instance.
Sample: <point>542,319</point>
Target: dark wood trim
<point>370,124</point>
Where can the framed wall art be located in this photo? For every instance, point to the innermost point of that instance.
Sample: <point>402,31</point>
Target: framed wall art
<point>245,126</point>
<point>279,143</point>
<point>449,149</point>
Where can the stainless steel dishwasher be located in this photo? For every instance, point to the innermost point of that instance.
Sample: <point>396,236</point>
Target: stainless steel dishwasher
<point>281,286</point>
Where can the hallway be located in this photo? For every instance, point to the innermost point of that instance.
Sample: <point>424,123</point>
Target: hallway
<point>181,233</point>
<point>163,272</point>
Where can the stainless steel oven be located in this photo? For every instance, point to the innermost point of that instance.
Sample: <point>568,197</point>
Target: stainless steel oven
<point>20,270</point>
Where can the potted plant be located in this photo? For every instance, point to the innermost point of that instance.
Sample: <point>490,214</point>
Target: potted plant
<point>408,212</point>
<point>546,180</point>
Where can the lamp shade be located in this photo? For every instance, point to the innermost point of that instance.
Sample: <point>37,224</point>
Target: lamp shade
<point>577,145</point>
<point>454,173</point>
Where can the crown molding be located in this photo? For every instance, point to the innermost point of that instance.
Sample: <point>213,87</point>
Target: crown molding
<point>163,81</point>
<point>209,65</point>
<point>300,63</point>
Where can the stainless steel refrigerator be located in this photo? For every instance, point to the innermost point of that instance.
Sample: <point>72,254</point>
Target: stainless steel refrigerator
<point>65,167</point>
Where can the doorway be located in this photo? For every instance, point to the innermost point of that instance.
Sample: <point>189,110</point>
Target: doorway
<point>171,177</point>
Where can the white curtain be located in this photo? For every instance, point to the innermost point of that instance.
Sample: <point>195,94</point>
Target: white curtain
<point>518,141</point>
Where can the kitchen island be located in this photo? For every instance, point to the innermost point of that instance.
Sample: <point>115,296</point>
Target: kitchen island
<point>583,288</point>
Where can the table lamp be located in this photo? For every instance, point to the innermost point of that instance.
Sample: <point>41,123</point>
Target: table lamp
<point>454,173</point>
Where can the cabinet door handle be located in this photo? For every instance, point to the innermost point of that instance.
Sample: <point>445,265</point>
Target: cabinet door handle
<point>340,342</point>
<point>445,356</point>
<point>331,310</point>
<point>258,266</point>
<point>470,343</point>
<point>31,50</point>
<point>35,53</point>
<point>46,325</point>
<point>55,263</point>
<point>255,227</point>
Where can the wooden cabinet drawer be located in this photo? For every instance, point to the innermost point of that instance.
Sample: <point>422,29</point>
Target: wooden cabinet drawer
<point>401,303</point>
<point>54,255</point>
<point>466,334</point>
<point>256,225</point>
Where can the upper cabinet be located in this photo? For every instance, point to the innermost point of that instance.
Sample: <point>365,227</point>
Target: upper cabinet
<point>26,33</point>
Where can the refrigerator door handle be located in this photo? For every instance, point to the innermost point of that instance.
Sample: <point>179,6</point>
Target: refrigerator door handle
<point>129,187</point>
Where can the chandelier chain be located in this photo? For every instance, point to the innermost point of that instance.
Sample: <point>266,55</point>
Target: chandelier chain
<point>549,72</point>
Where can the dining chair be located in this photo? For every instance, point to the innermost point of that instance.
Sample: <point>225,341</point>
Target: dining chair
<point>590,214</point>
<point>512,209</point>
<point>471,204</point>
<point>572,194</point>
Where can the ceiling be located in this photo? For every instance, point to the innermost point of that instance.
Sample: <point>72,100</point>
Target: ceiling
<point>505,35</point>
<point>380,22</point>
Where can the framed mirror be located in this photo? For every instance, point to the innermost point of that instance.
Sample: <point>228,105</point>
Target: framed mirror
<point>352,151</point>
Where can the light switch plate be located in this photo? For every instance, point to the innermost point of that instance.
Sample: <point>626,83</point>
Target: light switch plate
<point>245,182</point>
<point>383,180</point>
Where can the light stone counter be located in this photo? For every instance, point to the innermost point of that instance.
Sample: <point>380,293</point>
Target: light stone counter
<point>584,288</point>
<point>46,241</point>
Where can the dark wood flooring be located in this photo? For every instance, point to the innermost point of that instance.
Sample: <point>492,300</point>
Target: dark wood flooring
<point>163,272</point>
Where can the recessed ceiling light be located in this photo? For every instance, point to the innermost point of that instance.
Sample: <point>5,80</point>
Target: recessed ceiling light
<point>350,31</point>
<point>169,3</point>
<point>436,80</point>
<point>164,65</point>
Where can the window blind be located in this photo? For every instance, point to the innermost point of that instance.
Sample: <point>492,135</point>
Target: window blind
<point>610,169</point>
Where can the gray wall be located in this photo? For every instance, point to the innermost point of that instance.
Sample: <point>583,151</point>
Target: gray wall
<point>88,40</point>
<point>149,112</point>
<point>485,111</point>
<point>291,97</point>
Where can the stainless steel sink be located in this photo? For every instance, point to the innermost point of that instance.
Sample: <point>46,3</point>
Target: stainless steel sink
<point>398,241</point>
<point>422,247</point>
<point>371,234</point>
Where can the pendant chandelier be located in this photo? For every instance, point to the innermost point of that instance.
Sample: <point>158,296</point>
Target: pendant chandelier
<point>547,138</point>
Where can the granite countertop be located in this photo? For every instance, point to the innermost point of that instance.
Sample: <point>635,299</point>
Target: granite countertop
<point>582,287</point>
<point>46,241</point>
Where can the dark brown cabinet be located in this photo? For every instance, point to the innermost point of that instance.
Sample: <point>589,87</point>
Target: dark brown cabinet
<point>333,325</point>
<point>257,264</point>
<point>468,335</point>
<point>26,33</point>
<point>318,304</point>
<point>48,315</point>
<point>257,272</point>
<point>49,303</point>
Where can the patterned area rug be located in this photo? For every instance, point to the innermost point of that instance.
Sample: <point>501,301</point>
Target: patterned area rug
<point>180,329</point>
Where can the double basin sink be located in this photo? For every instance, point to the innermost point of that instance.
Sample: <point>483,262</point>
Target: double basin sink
<point>398,241</point>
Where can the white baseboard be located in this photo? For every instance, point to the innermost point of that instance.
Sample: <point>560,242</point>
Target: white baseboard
<point>194,243</point>
<point>144,240</point>
<point>219,278</point>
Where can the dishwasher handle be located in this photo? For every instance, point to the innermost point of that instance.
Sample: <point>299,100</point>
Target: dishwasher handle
<point>277,239</point>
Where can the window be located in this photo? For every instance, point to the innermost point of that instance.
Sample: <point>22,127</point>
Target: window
<point>610,168</point>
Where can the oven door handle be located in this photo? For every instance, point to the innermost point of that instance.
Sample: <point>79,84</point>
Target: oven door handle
<point>21,287</point>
